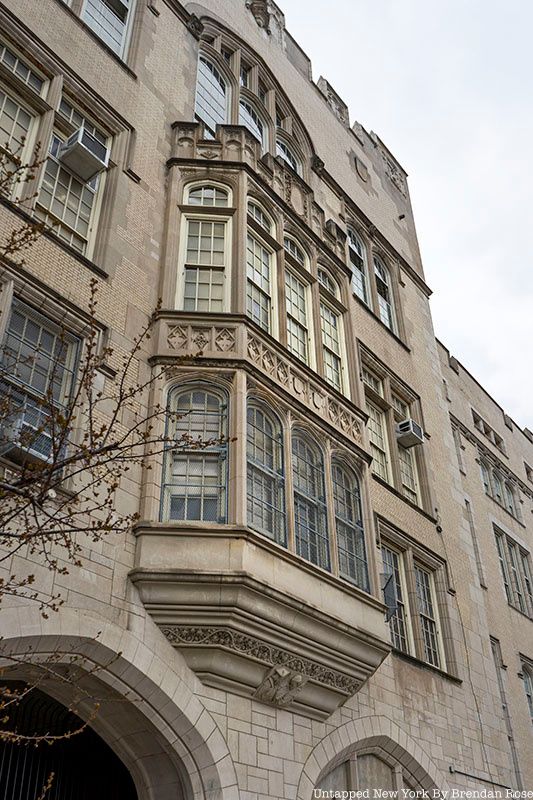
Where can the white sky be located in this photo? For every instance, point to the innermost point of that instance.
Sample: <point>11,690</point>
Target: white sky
<point>448,87</point>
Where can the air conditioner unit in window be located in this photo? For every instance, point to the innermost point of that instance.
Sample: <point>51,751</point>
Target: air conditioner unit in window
<point>409,433</point>
<point>84,155</point>
<point>19,439</point>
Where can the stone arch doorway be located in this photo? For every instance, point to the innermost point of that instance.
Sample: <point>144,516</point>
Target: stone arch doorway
<point>80,766</point>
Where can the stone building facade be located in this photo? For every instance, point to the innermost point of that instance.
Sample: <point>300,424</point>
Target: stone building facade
<point>326,600</point>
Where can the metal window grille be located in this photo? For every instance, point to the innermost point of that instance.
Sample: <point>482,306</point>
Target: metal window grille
<point>398,622</point>
<point>265,479</point>
<point>349,527</point>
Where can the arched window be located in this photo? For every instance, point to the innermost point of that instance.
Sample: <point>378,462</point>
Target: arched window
<point>207,195</point>
<point>497,486</point>
<point>211,96</point>
<point>206,250</point>
<point>260,216</point>
<point>325,280</point>
<point>367,772</point>
<point>357,254</point>
<point>310,521</point>
<point>527,672</point>
<point>383,287</point>
<point>249,117</point>
<point>265,478</point>
<point>288,155</point>
<point>485,476</point>
<point>294,250</point>
<point>194,481</point>
<point>259,259</point>
<point>510,500</point>
<point>349,526</point>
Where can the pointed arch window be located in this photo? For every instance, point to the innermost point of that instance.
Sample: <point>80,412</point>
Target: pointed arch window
<point>249,117</point>
<point>357,255</point>
<point>384,292</point>
<point>265,477</point>
<point>349,526</point>
<point>212,96</point>
<point>310,520</point>
<point>194,481</point>
<point>260,216</point>
<point>288,155</point>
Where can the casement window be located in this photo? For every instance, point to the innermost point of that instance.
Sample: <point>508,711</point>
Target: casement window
<point>284,151</point>
<point>205,251</point>
<point>310,517</point>
<point>358,264</point>
<point>378,441</point>
<point>38,368</point>
<point>414,618</point>
<point>212,96</point>
<point>515,566</point>
<point>388,404</point>
<point>296,295</point>
<point>265,474</point>
<point>249,117</point>
<point>15,124</point>
<point>111,21</point>
<point>349,526</point>
<point>384,293</point>
<point>194,480</point>
<point>527,677</point>
<point>259,282</point>
<point>500,487</point>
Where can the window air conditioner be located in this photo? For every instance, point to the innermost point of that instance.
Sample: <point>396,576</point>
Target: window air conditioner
<point>409,433</point>
<point>19,438</point>
<point>84,155</point>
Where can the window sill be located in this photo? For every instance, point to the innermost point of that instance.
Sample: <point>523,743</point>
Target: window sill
<point>54,238</point>
<point>518,611</point>
<point>385,327</point>
<point>395,491</point>
<point>424,665</point>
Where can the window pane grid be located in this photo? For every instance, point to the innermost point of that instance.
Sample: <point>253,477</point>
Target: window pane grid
<point>285,152</point>
<point>108,21</point>
<point>258,266</point>
<point>427,616</point>
<point>349,528</point>
<point>376,434</point>
<point>14,123</point>
<point>207,196</point>
<point>64,202</point>
<point>195,476</point>
<point>384,294</point>
<point>331,346</point>
<point>297,335</point>
<point>19,68</point>
<point>398,622</point>
<point>408,474</point>
<point>265,497</point>
<point>249,117</point>
<point>259,215</point>
<point>312,541</point>
<point>357,255</point>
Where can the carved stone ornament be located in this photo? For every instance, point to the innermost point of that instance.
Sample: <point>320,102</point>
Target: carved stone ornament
<point>195,26</point>
<point>280,686</point>
<point>317,165</point>
<point>395,174</point>
<point>260,10</point>
<point>257,649</point>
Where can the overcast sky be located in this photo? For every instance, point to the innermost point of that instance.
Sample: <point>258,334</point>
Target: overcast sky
<point>448,87</point>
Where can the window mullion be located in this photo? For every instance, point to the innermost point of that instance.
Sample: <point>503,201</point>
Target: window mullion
<point>289,486</point>
<point>330,511</point>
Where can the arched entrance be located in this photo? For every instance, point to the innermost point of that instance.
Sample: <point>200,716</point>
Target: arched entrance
<point>78,764</point>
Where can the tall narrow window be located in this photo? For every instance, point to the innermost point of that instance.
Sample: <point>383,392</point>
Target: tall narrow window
<point>428,619</point>
<point>194,483</point>
<point>110,20</point>
<point>330,322</point>
<point>384,291</point>
<point>288,155</point>
<point>497,487</point>
<point>211,96</point>
<point>206,252</point>
<point>500,544</point>
<point>357,254</point>
<point>349,526</point>
<point>485,477</point>
<point>259,275</point>
<point>297,321</point>
<point>527,672</point>
<point>38,370</point>
<point>516,577</point>
<point>378,441</point>
<point>408,473</point>
<point>249,117</point>
<point>392,565</point>
<point>310,522</point>
<point>15,124</point>
<point>265,480</point>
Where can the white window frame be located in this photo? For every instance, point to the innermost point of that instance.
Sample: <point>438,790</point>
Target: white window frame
<point>311,360</point>
<point>128,25</point>
<point>386,449</point>
<point>356,244</point>
<point>392,323</point>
